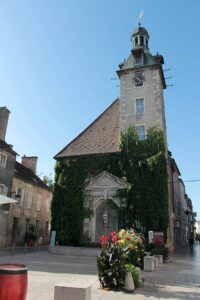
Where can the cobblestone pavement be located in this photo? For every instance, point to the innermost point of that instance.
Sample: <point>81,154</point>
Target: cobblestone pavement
<point>177,279</point>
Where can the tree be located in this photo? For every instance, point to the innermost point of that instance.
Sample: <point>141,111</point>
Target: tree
<point>48,180</point>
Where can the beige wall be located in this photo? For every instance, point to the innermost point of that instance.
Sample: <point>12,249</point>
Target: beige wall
<point>151,91</point>
<point>40,213</point>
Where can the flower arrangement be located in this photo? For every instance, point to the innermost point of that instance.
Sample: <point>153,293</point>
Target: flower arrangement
<point>118,250</point>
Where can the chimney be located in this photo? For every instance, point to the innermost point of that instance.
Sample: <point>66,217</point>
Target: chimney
<point>30,162</point>
<point>4,115</point>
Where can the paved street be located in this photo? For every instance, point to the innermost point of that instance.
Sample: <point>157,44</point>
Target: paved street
<point>177,279</point>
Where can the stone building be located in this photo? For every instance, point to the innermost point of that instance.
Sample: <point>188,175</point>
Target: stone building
<point>7,165</point>
<point>140,104</point>
<point>20,182</point>
<point>180,208</point>
<point>34,202</point>
<point>7,156</point>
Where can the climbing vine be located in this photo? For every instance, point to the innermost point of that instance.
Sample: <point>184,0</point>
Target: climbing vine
<point>144,165</point>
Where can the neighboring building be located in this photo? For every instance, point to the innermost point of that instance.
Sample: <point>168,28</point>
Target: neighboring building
<point>7,165</point>
<point>20,182</point>
<point>141,104</point>
<point>180,209</point>
<point>197,226</point>
<point>7,156</point>
<point>175,205</point>
<point>190,216</point>
<point>184,225</point>
<point>34,202</point>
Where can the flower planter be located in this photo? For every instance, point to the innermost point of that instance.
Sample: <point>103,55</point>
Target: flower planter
<point>128,282</point>
<point>13,282</point>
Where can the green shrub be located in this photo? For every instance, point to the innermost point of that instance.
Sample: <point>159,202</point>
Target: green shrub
<point>156,249</point>
<point>110,266</point>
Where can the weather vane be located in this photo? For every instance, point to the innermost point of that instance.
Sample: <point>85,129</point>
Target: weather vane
<point>140,17</point>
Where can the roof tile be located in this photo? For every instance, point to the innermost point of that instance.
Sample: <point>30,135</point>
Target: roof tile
<point>102,136</point>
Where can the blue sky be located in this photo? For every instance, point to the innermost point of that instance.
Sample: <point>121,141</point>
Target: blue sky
<point>57,59</point>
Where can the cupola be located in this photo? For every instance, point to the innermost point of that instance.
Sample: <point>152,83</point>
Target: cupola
<point>140,38</point>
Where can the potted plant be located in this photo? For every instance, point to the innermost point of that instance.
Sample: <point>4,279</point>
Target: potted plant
<point>118,250</point>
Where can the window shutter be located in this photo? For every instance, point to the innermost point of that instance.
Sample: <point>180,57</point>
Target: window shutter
<point>29,202</point>
<point>38,206</point>
<point>22,198</point>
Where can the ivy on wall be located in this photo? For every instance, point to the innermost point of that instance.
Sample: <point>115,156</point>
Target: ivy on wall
<point>145,203</point>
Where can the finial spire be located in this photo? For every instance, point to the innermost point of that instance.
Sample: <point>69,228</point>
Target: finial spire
<point>139,24</point>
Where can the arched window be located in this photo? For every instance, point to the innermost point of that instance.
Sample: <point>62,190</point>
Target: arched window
<point>141,40</point>
<point>136,41</point>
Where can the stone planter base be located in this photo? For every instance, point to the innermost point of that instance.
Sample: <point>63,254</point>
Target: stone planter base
<point>149,263</point>
<point>128,282</point>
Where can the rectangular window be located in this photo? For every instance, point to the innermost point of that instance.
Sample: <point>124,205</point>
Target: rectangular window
<point>38,205</point>
<point>140,132</point>
<point>139,105</point>
<point>48,205</point>
<point>138,59</point>
<point>29,200</point>
<point>3,189</point>
<point>19,196</point>
<point>3,159</point>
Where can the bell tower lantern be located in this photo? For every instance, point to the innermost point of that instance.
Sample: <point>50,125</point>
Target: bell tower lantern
<point>140,38</point>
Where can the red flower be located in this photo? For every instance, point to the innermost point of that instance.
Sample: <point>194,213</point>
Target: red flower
<point>115,238</point>
<point>127,238</point>
<point>104,239</point>
<point>114,233</point>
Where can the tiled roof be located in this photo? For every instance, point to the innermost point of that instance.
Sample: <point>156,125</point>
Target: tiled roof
<point>7,147</point>
<point>27,175</point>
<point>102,136</point>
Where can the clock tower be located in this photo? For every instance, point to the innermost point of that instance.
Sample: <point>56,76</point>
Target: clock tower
<point>141,87</point>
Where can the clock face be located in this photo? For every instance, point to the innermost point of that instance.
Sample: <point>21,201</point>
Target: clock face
<point>139,79</point>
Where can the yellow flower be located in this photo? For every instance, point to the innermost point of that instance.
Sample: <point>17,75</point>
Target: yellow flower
<point>122,233</point>
<point>121,242</point>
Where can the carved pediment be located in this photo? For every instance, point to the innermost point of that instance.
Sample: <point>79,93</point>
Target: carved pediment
<point>106,180</point>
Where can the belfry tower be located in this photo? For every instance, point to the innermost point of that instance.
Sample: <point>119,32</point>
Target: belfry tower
<point>141,87</point>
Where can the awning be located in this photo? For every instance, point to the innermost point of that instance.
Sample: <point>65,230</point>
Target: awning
<point>6,200</point>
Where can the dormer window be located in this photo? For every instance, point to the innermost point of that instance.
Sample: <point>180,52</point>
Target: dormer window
<point>138,59</point>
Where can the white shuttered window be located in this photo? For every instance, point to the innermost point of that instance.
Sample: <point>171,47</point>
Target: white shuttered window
<point>29,200</point>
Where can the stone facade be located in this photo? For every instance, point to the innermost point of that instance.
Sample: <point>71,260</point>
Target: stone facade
<point>33,208</point>
<point>180,209</point>
<point>7,156</point>
<point>141,87</point>
<point>101,191</point>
